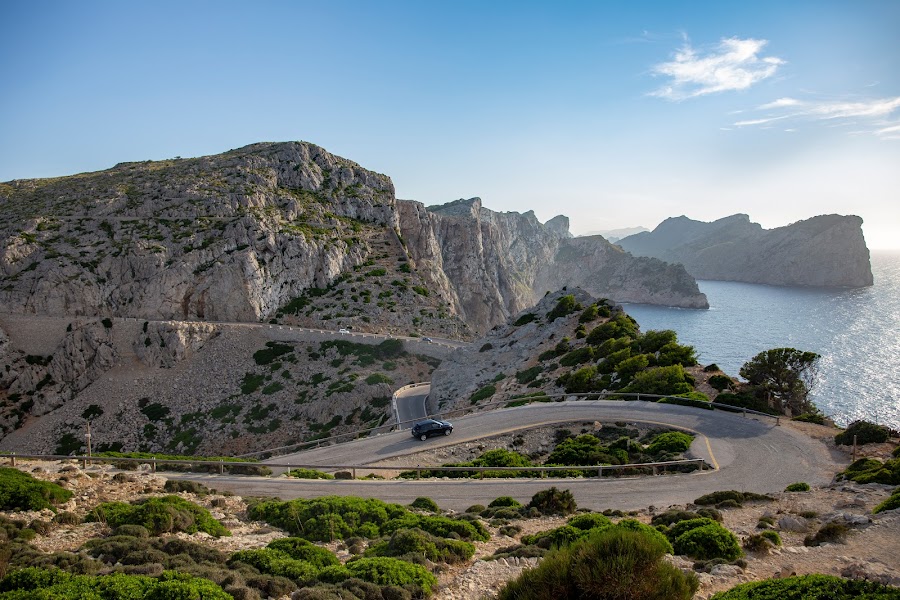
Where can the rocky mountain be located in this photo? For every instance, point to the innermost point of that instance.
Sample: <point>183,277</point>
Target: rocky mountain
<point>827,250</point>
<point>148,283</point>
<point>493,265</point>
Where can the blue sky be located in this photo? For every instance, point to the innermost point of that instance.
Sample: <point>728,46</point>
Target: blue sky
<point>615,114</point>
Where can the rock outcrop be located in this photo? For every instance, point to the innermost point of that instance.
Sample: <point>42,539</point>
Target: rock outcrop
<point>827,250</point>
<point>494,265</point>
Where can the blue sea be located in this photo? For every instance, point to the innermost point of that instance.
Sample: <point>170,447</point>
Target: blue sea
<point>857,332</point>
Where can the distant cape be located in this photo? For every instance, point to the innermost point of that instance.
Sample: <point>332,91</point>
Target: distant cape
<point>824,251</point>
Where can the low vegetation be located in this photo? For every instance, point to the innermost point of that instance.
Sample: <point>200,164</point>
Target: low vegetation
<point>21,491</point>
<point>805,587</point>
<point>168,514</point>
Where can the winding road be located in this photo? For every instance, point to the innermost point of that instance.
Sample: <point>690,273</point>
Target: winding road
<point>748,455</point>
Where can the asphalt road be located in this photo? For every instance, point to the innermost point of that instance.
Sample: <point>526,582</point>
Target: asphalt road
<point>749,455</point>
<point>411,405</point>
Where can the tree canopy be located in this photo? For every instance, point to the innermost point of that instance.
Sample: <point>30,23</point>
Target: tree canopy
<point>785,376</point>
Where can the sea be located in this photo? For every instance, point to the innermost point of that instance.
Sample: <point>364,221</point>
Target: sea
<point>856,332</point>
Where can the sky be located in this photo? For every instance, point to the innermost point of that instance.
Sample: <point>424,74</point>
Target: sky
<point>616,114</point>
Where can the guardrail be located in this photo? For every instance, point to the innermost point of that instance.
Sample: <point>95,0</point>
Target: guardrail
<point>606,396</point>
<point>655,468</point>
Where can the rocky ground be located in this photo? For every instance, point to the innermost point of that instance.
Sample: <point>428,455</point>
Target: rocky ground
<point>870,550</point>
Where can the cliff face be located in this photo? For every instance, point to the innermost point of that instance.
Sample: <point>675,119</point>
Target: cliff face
<point>827,250</point>
<point>497,264</point>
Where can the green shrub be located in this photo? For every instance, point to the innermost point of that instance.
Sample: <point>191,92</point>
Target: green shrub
<point>475,508</point>
<point>523,320</point>
<point>338,517</point>
<point>275,562</point>
<point>385,570</point>
<point>670,442</point>
<point>427,504</point>
<point>166,514</point>
<point>746,400</point>
<point>300,549</point>
<point>504,501</point>
<point>717,498</point>
<point>809,587</point>
<point>870,470</point>
<point>309,474</point>
<point>720,382</point>
<point>812,417</point>
<point>763,541</point>
<point>271,352</point>
<point>554,502</point>
<point>707,542</point>
<point>376,378</point>
<point>865,433</point>
<point>415,542</point>
<point>54,583</point>
<point>21,491</point>
<point>613,564</point>
<point>890,503</point>
<point>173,486</point>
<point>565,306</point>
<point>896,452</point>
<point>695,399</point>
<point>483,393</point>
<point>588,521</point>
<point>577,356</point>
<point>663,381</point>
<point>137,531</point>
<point>797,487</point>
<point>583,450</point>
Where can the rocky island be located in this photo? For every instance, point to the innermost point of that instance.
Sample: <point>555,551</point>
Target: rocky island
<point>824,251</point>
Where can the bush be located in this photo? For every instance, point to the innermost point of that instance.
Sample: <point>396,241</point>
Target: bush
<point>384,570</point>
<point>554,502</point>
<point>406,542</point>
<point>475,509</point>
<point>566,305</point>
<point>54,583</point>
<point>173,486</point>
<point>720,382</point>
<point>21,491</point>
<point>707,542</point>
<point>890,503</point>
<point>339,517</point>
<point>763,541</point>
<point>167,514</point>
<point>870,470</point>
<point>588,521</point>
<point>662,381</point>
<point>738,498</point>
<point>614,563</point>
<point>797,487</point>
<point>583,450</point>
<point>671,442</point>
<point>523,320</point>
<point>483,393</point>
<point>137,531</point>
<point>865,432</point>
<point>809,587</point>
<point>300,549</point>
<point>423,503</point>
<point>812,417</point>
<point>504,501</point>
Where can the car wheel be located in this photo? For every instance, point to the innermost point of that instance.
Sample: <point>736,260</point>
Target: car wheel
<point>447,431</point>
<point>423,437</point>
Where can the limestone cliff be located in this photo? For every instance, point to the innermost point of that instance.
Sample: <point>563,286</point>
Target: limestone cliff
<point>230,237</point>
<point>497,264</point>
<point>827,250</point>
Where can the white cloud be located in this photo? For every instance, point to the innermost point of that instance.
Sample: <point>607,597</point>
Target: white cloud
<point>734,64</point>
<point>867,113</point>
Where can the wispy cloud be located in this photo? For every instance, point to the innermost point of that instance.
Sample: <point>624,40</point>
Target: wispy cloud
<point>734,64</point>
<point>871,113</point>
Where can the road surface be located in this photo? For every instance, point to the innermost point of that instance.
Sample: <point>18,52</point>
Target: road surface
<point>748,455</point>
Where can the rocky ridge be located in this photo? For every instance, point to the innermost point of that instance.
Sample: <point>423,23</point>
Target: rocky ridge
<point>827,250</point>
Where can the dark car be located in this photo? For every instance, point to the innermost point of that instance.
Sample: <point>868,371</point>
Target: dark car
<point>429,427</point>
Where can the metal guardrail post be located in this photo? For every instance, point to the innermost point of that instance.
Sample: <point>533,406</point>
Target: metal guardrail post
<point>153,463</point>
<point>221,467</point>
<point>12,459</point>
